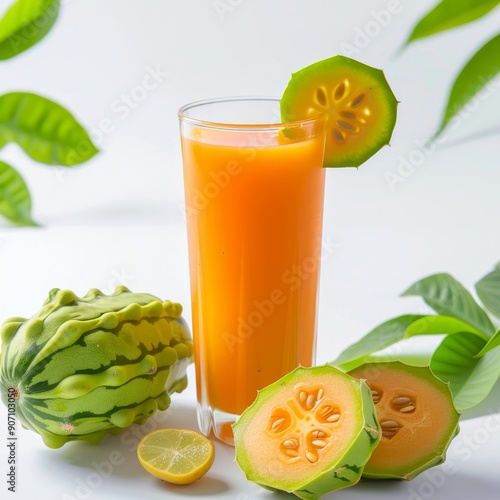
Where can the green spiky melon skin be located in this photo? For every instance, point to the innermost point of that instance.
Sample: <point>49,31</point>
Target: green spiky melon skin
<point>84,367</point>
<point>346,470</point>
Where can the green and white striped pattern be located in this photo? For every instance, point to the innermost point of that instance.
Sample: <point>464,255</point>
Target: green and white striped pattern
<point>83,367</point>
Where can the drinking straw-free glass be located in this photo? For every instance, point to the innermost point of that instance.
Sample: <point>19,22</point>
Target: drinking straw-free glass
<point>254,205</point>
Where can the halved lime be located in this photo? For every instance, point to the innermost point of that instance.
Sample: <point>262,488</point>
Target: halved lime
<point>176,455</point>
<point>360,106</point>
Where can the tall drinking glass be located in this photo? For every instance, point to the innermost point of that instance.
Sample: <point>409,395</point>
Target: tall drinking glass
<point>254,204</point>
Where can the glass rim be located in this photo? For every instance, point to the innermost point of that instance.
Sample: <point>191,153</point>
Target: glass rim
<point>181,113</point>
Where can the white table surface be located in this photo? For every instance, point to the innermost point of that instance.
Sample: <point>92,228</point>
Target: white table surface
<point>153,259</point>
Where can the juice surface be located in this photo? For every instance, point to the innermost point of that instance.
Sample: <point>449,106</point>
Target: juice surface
<point>254,206</point>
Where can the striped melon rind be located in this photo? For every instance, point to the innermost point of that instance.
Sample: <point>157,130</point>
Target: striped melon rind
<point>84,367</point>
<point>338,457</point>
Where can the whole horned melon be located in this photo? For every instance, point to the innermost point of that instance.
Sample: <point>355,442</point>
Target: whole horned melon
<point>83,367</point>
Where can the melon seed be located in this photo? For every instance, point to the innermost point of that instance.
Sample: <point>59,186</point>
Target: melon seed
<point>389,434</point>
<point>388,424</point>
<point>325,411</point>
<point>290,443</point>
<point>319,443</point>
<point>333,418</point>
<point>319,434</point>
<point>345,125</point>
<point>340,91</point>
<point>403,404</point>
<point>407,409</point>
<point>357,101</point>
<point>311,457</point>
<point>321,96</point>
<point>402,401</point>
<point>311,401</point>
<point>389,428</point>
<point>347,114</point>
<point>276,425</point>
<point>337,135</point>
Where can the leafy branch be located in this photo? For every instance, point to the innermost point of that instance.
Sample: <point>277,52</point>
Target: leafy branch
<point>469,355</point>
<point>44,130</point>
<point>480,69</point>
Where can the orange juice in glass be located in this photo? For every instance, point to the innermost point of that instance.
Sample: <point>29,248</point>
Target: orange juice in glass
<point>254,204</point>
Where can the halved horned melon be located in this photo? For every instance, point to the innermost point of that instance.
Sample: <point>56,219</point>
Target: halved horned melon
<point>309,433</point>
<point>417,416</point>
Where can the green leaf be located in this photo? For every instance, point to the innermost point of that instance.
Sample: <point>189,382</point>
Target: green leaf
<point>25,24</point>
<point>448,297</point>
<point>379,338</point>
<point>470,378</point>
<point>475,75</point>
<point>45,130</point>
<point>398,329</point>
<point>419,358</point>
<point>488,290</point>
<point>492,343</point>
<point>450,14</point>
<point>434,325</point>
<point>15,199</point>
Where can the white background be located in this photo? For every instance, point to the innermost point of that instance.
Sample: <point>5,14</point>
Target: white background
<point>118,219</point>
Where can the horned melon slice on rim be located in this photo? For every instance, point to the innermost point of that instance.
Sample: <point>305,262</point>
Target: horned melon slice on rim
<point>309,433</point>
<point>360,106</point>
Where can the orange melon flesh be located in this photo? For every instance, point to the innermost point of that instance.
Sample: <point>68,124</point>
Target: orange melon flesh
<point>270,454</point>
<point>422,407</point>
<point>313,421</point>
